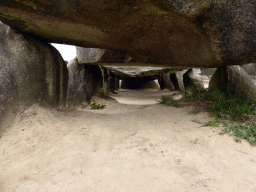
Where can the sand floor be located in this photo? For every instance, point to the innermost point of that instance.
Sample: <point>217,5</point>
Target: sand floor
<point>133,145</point>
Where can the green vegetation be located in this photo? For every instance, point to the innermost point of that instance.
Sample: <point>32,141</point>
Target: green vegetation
<point>166,99</point>
<point>222,105</point>
<point>236,113</point>
<point>242,131</point>
<point>95,106</point>
<point>225,106</point>
<point>213,123</point>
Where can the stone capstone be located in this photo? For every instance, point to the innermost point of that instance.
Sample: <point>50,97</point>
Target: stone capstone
<point>137,71</point>
<point>169,33</point>
<point>104,56</point>
<point>94,55</point>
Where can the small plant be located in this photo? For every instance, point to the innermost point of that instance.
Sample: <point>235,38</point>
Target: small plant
<point>166,99</point>
<point>213,123</point>
<point>242,131</point>
<point>237,108</point>
<point>99,106</point>
<point>225,106</point>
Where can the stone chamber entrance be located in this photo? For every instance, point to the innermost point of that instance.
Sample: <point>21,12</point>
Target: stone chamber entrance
<point>133,144</point>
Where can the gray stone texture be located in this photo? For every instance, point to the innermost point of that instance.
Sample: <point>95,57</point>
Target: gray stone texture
<point>250,69</point>
<point>235,80</point>
<point>84,82</point>
<point>137,71</point>
<point>208,71</point>
<point>101,56</point>
<point>174,33</point>
<point>113,82</point>
<point>165,82</point>
<point>94,55</point>
<point>30,71</point>
<point>192,79</point>
<point>177,80</point>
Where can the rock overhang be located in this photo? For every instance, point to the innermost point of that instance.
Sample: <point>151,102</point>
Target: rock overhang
<point>155,33</point>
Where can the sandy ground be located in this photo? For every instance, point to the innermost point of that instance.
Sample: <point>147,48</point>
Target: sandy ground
<point>134,144</point>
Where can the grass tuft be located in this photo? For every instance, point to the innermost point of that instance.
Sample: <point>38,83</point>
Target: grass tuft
<point>167,100</point>
<point>221,105</point>
<point>225,106</point>
<point>242,131</point>
<point>213,123</point>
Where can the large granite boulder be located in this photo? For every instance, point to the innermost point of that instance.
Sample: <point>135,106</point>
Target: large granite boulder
<point>250,69</point>
<point>174,33</point>
<point>192,79</point>
<point>84,82</point>
<point>235,80</point>
<point>165,82</point>
<point>177,80</point>
<point>181,80</point>
<point>30,71</point>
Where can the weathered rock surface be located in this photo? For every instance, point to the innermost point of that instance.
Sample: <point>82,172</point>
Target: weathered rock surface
<point>101,56</point>
<point>250,69</point>
<point>184,33</point>
<point>180,80</point>
<point>94,55</point>
<point>137,71</point>
<point>208,71</point>
<point>235,80</point>
<point>177,80</point>
<point>84,82</point>
<point>30,71</point>
<point>192,79</point>
<point>113,82</point>
<point>165,82</point>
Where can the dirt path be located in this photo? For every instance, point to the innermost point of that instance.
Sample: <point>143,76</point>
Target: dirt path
<point>131,145</point>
